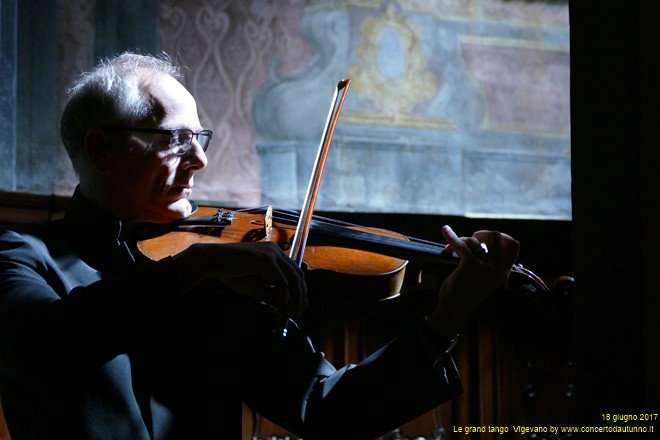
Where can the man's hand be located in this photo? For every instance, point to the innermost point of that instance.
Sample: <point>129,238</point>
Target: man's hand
<point>485,262</point>
<point>261,270</point>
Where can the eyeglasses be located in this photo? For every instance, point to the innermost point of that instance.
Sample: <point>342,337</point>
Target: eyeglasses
<point>180,138</point>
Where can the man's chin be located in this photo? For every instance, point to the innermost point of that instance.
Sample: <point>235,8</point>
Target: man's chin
<point>173,212</point>
<point>180,209</point>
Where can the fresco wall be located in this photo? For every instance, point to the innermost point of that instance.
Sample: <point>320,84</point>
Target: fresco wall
<point>455,107</point>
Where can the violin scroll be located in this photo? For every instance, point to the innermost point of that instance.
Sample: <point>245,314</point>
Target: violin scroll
<point>554,299</point>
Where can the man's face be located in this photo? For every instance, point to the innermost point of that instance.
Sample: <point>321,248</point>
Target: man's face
<point>148,182</point>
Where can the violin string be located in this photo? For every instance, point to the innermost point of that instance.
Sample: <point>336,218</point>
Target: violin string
<point>340,229</point>
<point>430,247</point>
<point>292,216</point>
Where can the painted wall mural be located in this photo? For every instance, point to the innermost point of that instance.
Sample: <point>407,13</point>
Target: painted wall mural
<point>456,107</point>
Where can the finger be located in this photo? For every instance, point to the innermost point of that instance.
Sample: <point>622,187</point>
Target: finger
<point>503,246</point>
<point>290,290</point>
<point>295,281</point>
<point>510,247</point>
<point>453,241</point>
<point>464,247</point>
<point>476,246</point>
<point>298,285</point>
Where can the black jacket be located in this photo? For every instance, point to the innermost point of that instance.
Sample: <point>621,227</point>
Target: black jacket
<point>98,343</point>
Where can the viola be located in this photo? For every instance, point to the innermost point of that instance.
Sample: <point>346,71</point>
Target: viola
<point>366,264</point>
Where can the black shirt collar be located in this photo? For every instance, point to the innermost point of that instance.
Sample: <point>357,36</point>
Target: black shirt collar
<point>95,235</point>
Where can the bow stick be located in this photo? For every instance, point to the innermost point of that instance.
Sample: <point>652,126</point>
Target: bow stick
<point>302,230</point>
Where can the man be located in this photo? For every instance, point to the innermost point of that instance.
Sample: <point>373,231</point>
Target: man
<point>96,341</point>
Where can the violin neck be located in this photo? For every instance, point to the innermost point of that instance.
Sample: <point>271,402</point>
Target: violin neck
<point>398,247</point>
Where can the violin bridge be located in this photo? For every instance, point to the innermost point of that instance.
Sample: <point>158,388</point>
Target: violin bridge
<point>223,218</point>
<point>268,221</point>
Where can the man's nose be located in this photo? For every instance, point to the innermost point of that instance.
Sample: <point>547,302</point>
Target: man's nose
<point>195,157</point>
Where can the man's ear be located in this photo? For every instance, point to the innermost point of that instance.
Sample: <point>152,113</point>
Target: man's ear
<point>98,149</point>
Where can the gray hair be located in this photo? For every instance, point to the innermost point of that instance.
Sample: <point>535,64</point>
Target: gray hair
<point>109,94</point>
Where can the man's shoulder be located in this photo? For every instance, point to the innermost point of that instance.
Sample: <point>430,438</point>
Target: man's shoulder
<point>28,237</point>
<point>33,238</point>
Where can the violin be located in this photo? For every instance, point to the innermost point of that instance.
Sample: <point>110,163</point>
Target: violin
<point>363,263</point>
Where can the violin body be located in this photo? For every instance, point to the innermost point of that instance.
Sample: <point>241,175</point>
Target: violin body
<point>375,276</point>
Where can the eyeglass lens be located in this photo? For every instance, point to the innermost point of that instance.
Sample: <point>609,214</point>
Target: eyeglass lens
<point>182,140</point>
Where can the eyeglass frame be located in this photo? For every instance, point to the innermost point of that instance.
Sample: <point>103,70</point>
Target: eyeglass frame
<point>171,133</point>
